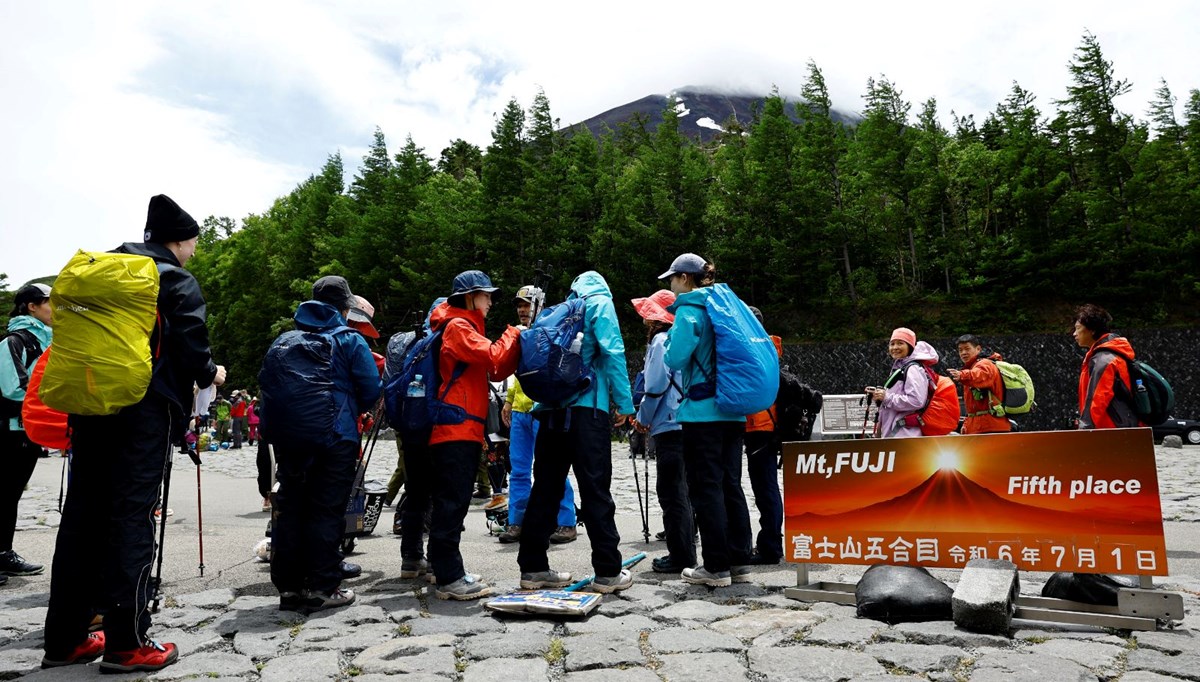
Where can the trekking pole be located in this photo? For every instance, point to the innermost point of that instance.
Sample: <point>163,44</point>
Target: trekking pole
<point>646,494</point>
<point>866,415</point>
<point>200,520</point>
<point>643,510</point>
<point>162,528</point>
<point>62,482</point>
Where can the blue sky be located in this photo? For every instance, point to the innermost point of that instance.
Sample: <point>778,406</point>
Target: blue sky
<point>227,105</point>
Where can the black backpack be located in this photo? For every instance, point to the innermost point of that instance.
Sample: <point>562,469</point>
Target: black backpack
<point>796,406</point>
<point>298,397</point>
<point>25,349</point>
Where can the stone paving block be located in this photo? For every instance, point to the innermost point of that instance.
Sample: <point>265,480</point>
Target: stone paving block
<point>686,640</point>
<point>217,598</point>
<point>356,614</point>
<point>261,620</point>
<point>650,596</point>
<point>454,625</point>
<point>17,660</point>
<point>507,669</point>
<point>253,603</point>
<point>844,632</point>
<point>1007,666</point>
<point>207,665</point>
<point>754,623</point>
<point>190,642</point>
<point>1101,658</point>
<point>342,638</point>
<point>262,645</point>
<point>614,675</point>
<point>518,644</point>
<point>186,617</point>
<point>1169,641</point>
<point>1183,666</point>
<point>25,620</point>
<point>1086,633</point>
<point>602,650</point>
<point>407,677</point>
<point>711,666</point>
<point>944,632</point>
<point>314,665</point>
<point>782,664</point>
<point>917,658</point>
<point>1146,676</point>
<point>983,599</point>
<point>619,607</point>
<point>428,654</point>
<point>698,609</point>
<point>632,623</point>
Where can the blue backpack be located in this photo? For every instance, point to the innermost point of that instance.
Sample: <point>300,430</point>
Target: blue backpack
<point>747,364</point>
<point>414,397</point>
<point>298,403</point>
<point>551,369</point>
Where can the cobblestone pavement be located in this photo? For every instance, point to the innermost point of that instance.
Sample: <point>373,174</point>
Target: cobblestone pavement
<point>659,629</point>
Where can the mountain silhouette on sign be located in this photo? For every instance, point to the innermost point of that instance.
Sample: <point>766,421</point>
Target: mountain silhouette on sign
<point>948,501</point>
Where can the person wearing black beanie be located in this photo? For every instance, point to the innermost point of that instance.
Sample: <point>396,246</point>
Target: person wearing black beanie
<point>167,222</point>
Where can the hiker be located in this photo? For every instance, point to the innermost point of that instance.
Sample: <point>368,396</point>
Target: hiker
<point>252,421</point>
<point>656,416</point>
<point>414,469</point>
<point>905,393</point>
<point>576,435</point>
<point>763,449</point>
<point>523,428</point>
<point>468,360</point>
<point>712,439</point>
<point>316,443</point>
<point>105,547</point>
<point>1105,395</point>
<point>28,335</point>
<point>983,387</point>
<point>237,417</point>
<point>223,415</point>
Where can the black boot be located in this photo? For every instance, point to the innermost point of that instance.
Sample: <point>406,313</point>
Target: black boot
<point>11,563</point>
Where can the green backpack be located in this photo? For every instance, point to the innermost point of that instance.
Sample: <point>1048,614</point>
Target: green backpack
<point>1018,391</point>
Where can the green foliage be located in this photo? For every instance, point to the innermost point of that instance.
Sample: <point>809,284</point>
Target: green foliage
<point>835,231</point>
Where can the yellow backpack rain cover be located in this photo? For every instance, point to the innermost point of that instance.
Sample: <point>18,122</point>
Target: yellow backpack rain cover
<point>105,306</point>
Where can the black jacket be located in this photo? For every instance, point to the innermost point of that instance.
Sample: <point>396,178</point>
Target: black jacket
<point>181,336</point>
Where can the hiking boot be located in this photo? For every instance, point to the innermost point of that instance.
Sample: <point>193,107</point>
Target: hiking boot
<point>667,564</point>
<point>701,576</point>
<point>152,656</point>
<point>660,535</point>
<point>11,563</point>
<point>564,534</point>
<point>545,579</point>
<point>413,568</point>
<point>615,583</point>
<point>350,570</point>
<point>91,648</point>
<point>266,505</point>
<point>291,601</point>
<point>512,534</point>
<point>759,559</point>
<point>319,601</point>
<point>158,514</point>
<point>497,502</point>
<point>739,574</point>
<point>466,587</point>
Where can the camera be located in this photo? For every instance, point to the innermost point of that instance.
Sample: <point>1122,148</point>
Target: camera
<point>871,389</point>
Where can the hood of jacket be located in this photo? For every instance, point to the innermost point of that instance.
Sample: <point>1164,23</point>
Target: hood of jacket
<point>444,312</point>
<point>922,353</point>
<point>590,283</point>
<point>315,316</point>
<point>158,252</point>
<point>43,333</point>
<point>1113,342</point>
<point>697,296</point>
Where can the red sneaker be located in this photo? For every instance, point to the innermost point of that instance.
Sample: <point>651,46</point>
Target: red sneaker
<point>152,656</point>
<point>91,648</point>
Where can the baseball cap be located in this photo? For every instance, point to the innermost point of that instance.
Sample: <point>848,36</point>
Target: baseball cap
<point>685,263</point>
<point>30,293</point>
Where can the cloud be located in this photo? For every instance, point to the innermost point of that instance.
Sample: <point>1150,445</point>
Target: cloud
<point>227,105</point>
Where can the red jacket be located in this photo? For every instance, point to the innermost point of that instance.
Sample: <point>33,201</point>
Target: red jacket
<point>463,341</point>
<point>238,409</point>
<point>1105,399</point>
<point>765,420</point>
<point>982,387</point>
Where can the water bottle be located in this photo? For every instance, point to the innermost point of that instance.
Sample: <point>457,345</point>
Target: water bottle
<point>416,388</point>
<point>577,344</point>
<point>1141,397</point>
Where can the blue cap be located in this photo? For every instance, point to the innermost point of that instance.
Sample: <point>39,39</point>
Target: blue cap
<point>685,263</point>
<point>470,282</point>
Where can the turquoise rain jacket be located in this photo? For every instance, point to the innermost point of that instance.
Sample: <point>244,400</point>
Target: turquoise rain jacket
<point>690,350</point>
<point>603,349</point>
<point>10,382</point>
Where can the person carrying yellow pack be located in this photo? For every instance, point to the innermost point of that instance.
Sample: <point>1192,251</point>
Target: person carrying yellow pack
<point>123,429</point>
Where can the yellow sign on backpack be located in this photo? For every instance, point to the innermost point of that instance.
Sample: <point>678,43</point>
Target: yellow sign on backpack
<point>105,305</point>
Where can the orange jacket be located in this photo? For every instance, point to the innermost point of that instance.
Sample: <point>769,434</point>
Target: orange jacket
<point>765,420</point>
<point>1105,399</point>
<point>982,387</point>
<point>463,341</point>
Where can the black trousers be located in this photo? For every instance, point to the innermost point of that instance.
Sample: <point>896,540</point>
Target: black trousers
<point>671,486</point>
<point>454,466</point>
<point>18,457</point>
<point>762,465</point>
<point>418,481</point>
<point>577,437</point>
<point>104,553</point>
<point>712,452</point>
<point>262,461</point>
<point>310,508</point>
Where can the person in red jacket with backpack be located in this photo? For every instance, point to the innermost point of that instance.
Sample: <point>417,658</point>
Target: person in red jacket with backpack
<point>1105,394</point>
<point>983,387</point>
<point>467,352</point>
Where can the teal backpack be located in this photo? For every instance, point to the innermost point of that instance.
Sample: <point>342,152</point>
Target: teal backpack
<point>747,376</point>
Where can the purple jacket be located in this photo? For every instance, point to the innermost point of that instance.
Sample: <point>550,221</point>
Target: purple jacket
<point>907,396</point>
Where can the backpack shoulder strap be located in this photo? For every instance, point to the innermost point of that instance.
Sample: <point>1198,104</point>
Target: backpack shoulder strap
<point>24,348</point>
